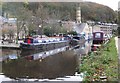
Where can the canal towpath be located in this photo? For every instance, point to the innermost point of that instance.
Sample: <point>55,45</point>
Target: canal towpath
<point>10,45</point>
<point>116,43</point>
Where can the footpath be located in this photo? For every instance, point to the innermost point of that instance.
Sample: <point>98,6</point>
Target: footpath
<point>10,45</point>
<point>116,43</point>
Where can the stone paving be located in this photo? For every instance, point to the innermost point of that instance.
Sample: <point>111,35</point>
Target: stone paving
<point>10,45</point>
<point>116,43</point>
<point>118,50</point>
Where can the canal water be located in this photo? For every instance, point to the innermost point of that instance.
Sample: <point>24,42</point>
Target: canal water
<point>52,64</point>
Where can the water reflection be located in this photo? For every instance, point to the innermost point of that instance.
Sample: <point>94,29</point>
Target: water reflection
<point>44,54</point>
<point>85,48</point>
<point>9,53</point>
<point>42,65</point>
<point>62,62</point>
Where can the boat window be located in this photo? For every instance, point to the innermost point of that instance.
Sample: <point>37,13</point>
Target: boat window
<point>76,38</point>
<point>43,41</point>
<point>97,35</point>
<point>35,41</point>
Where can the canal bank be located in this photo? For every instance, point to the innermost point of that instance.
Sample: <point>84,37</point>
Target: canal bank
<point>101,65</point>
<point>10,46</point>
<point>60,66</point>
<point>68,58</point>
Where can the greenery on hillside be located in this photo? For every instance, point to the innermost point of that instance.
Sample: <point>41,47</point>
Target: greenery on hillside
<point>37,14</point>
<point>67,11</point>
<point>97,12</point>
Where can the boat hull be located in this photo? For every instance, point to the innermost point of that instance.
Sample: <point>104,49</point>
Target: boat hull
<point>43,46</point>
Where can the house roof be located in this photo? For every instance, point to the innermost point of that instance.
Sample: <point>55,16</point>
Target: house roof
<point>80,27</point>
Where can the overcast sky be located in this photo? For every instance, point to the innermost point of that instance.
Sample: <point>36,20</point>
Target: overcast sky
<point>111,3</point>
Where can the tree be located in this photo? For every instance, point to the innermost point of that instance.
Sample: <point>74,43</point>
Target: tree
<point>21,13</point>
<point>41,15</point>
<point>9,31</point>
<point>72,33</point>
<point>48,31</point>
<point>4,32</point>
<point>119,23</point>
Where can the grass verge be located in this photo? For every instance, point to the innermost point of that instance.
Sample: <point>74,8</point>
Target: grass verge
<point>102,65</point>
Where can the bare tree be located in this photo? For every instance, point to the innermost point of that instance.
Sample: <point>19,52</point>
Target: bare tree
<point>4,32</point>
<point>23,17</point>
<point>8,31</point>
<point>42,16</point>
<point>11,33</point>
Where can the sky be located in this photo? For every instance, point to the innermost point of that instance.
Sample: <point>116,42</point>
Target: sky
<point>111,3</point>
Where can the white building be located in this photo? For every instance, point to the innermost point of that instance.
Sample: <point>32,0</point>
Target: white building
<point>108,28</point>
<point>83,29</point>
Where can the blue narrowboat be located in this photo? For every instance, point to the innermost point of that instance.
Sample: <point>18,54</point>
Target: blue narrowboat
<point>31,43</point>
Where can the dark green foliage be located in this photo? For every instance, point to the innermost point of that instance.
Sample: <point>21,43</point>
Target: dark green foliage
<point>72,33</point>
<point>48,31</point>
<point>67,11</point>
<point>97,12</point>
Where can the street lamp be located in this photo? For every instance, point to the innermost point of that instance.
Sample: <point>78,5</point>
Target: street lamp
<point>41,30</point>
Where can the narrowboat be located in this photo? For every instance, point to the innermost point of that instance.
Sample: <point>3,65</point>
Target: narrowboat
<point>98,39</point>
<point>77,40</point>
<point>31,43</point>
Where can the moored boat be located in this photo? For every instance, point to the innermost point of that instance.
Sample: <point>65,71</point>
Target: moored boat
<point>31,43</point>
<point>77,40</point>
<point>99,38</point>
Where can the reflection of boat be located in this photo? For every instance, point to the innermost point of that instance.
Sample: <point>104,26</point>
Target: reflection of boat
<point>32,43</point>
<point>77,40</point>
<point>50,68</point>
<point>44,54</point>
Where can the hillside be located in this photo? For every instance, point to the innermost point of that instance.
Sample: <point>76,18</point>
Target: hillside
<point>97,12</point>
<point>67,11</point>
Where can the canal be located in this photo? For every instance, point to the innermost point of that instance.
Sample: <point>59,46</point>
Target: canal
<point>49,64</point>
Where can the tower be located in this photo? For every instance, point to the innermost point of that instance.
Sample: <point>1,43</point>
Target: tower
<point>78,14</point>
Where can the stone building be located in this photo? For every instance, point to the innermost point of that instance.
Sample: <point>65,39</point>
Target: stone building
<point>108,28</point>
<point>9,29</point>
<point>78,14</point>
